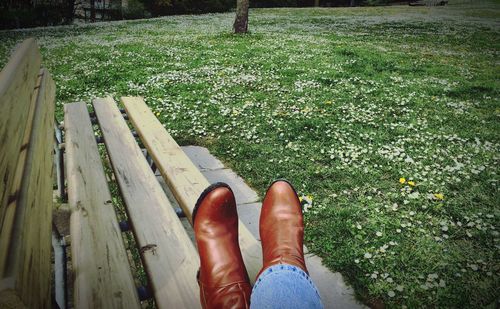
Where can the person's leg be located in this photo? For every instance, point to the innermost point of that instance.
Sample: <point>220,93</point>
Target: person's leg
<point>284,286</point>
<point>283,281</point>
<point>222,277</point>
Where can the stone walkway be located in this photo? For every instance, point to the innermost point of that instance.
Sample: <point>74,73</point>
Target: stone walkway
<point>334,292</point>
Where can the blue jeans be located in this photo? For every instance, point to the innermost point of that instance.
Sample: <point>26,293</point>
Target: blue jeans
<point>284,286</point>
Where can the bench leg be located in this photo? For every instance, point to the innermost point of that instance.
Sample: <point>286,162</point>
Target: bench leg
<point>59,163</point>
<point>60,270</point>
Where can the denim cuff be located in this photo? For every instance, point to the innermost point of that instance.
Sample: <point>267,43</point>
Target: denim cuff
<point>291,270</point>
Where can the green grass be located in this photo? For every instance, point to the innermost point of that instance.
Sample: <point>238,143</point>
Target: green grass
<point>343,103</point>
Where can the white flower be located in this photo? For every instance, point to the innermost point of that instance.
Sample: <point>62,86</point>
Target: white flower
<point>391,294</point>
<point>379,234</point>
<point>408,160</point>
<point>368,255</point>
<point>432,276</point>
<point>413,195</point>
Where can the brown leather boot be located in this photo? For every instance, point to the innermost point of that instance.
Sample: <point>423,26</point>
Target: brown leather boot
<point>281,227</point>
<point>222,277</point>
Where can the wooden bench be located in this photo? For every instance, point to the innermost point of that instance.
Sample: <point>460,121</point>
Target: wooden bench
<point>101,266</point>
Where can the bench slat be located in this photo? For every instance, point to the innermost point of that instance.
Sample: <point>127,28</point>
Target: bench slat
<point>17,97</point>
<point>103,278</point>
<point>181,175</point>
<point>170,258</point>
<point>30,260</point>
<point>29,217</point>
<point>7,221</point>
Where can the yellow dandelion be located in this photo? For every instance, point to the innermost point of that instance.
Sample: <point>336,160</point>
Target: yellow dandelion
<point>328,102</point>
<point>439,196</point>
<point>402,180</point>
<point>411,183</point>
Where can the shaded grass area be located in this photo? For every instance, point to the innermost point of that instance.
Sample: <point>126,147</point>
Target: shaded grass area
<point>387,117</point>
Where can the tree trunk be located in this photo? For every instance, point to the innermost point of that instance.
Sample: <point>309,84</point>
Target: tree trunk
<point>241,21</point>
<point>124,7</point>
<point>353,2</point>
<point>316,3</point>
<point>92,10</point>
<point>70,11</point>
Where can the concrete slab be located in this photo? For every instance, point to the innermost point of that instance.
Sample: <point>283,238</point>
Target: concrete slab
<point>331,286</point>
<point>202,158</point>
<point>243,193</point>
<point>249,214</point>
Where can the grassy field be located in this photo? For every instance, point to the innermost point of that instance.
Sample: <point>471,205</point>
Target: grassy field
<point>387,118</point>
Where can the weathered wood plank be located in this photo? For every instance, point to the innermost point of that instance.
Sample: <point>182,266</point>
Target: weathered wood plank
<point>29,261</point>
<point>10,209</point>
<point>17,83</point>
<point>27,226</point>
<point>181,175</point>
<point>102,271</point>
<point>170,258</point>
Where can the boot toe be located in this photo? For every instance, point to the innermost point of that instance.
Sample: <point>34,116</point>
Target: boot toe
<point>281,194</point>
<point>281,187</point>
<point>216,200</point>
